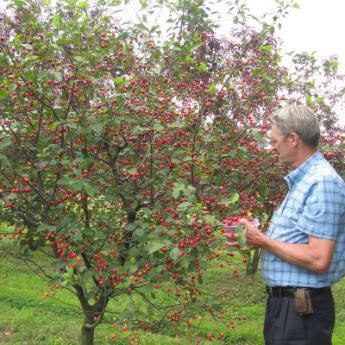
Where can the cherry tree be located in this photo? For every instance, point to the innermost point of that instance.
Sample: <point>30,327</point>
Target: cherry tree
<point>121,155</point>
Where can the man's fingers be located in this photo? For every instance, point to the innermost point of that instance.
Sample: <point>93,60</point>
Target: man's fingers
<point>232,244</point>
<point>231,235</point>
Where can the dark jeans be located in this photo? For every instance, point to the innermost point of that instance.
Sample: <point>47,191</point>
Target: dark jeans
<point>283,326</point>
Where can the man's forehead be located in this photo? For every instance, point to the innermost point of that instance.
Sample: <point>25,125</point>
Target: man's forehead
<point>274,130</point>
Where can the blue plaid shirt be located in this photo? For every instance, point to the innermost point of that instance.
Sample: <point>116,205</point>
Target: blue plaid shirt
<point>315,206</point>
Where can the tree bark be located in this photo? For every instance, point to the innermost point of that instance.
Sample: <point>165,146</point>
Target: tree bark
<point>87,334</point>
<point>253,263</point>
<point>93,314</point>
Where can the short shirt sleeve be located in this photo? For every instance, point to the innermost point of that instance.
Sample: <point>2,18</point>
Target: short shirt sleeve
<point>324,210</point>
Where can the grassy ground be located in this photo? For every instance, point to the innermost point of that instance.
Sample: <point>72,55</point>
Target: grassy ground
<point>36,314</point>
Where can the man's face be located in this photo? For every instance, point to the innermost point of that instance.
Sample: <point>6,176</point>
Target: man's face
<point>283,146</point>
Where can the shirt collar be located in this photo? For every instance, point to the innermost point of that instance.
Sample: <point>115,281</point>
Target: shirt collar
<point>296,175</point>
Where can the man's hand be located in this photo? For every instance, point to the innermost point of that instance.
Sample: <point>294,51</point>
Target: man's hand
<point>231,239</point>
<point>254,236</point>
<point>238,236</point>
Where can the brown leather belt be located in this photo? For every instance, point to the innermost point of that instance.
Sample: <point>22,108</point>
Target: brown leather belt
<point>288,291</point>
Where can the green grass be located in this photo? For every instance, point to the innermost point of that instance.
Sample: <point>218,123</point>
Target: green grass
<point>36,314</point>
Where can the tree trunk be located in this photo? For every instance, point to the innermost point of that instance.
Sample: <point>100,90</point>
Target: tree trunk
<point>253,263</point>
<point>93,314</point>
<point>87,334</point>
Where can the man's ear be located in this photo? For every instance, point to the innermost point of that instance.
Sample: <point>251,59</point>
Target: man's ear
<point>295,139</point>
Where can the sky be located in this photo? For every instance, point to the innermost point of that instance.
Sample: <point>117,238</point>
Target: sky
<point>317,25</point>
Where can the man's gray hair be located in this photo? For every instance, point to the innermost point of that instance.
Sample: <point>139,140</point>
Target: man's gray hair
<point>298,119</point>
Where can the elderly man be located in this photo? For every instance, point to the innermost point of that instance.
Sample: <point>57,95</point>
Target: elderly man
<point>304,249</point>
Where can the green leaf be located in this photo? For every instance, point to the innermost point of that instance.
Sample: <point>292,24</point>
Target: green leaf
<point>155,246</point>
<point>188,59</point>
<point>308,100</point>
<point>20,3</point>
<point>241,238</point>
<point>3,158</point>
<point>139,234</point>
<point>183,206</point>
<point>120,81</point>
<point>97,127</point>
<point>130,265</point>
<point>3,93</point>
<point>178,188</point>
<point>87,275</point>
<point>83,5</point>
<point>210,219</point>
<point>76,186</point>
<point>234,198</point>
<point>139,130</point>
<point>320,100</point>
<point>58,75</point>
<point>89,189</point>
<point>202,67</point>
<point>27,46</point>
<point>178,124</point>
<point>158,127</point>
<point>79,59</point>
<point>56,20</point>
<point>174,253</point>
<point>45,227</point>
<point>212,88</point>
<point>72,125</point>
<point>5,141</point>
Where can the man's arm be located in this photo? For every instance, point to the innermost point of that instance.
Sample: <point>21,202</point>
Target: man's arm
<point>315,256</point>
